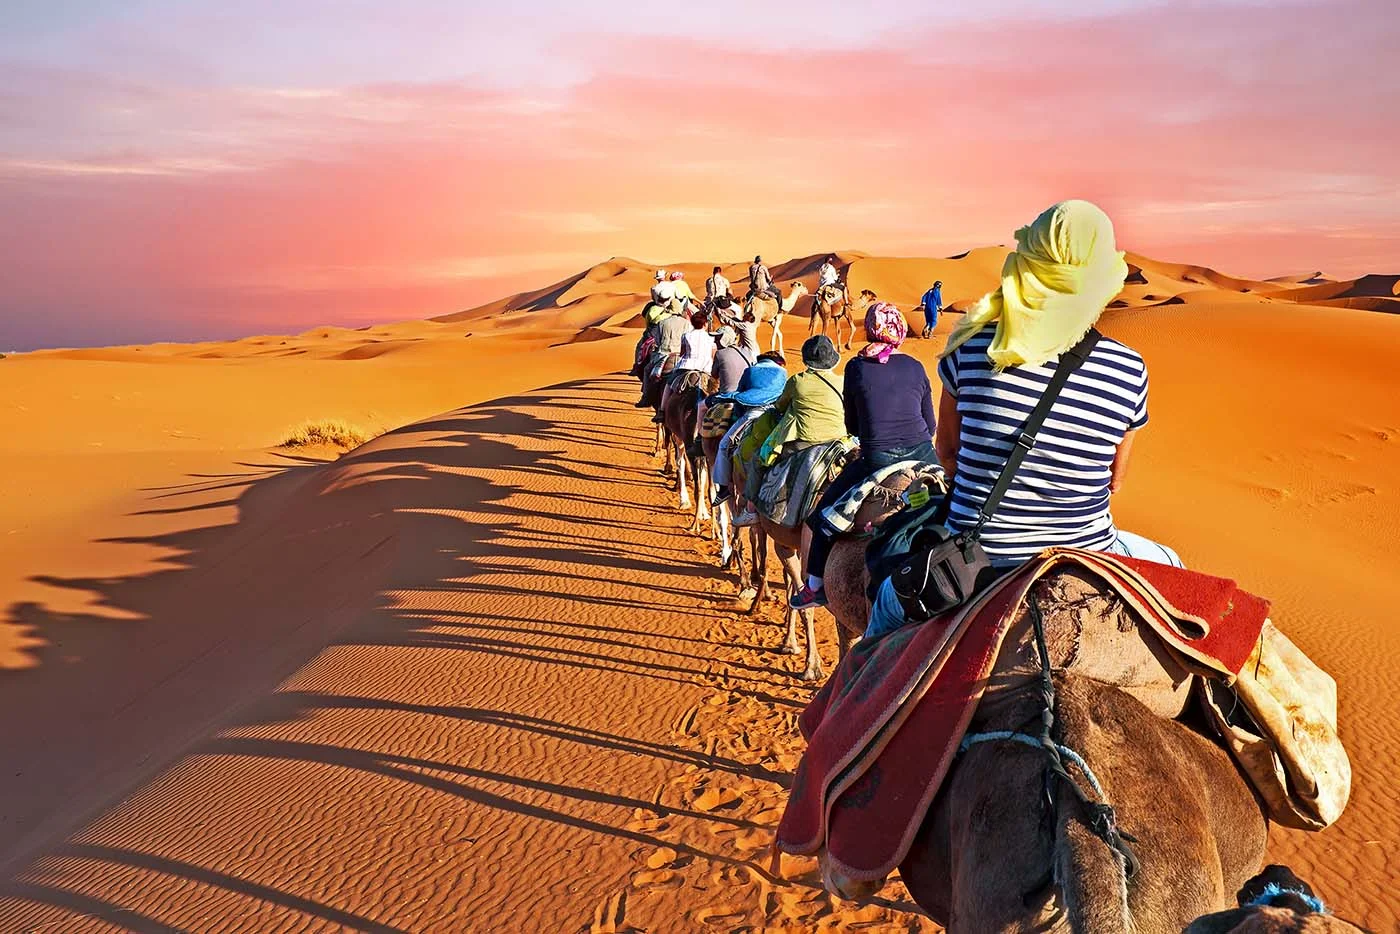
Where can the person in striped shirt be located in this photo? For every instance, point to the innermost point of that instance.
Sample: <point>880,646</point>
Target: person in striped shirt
<point>1000,358</point>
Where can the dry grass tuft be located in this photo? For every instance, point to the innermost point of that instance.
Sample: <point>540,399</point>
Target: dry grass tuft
<point>329,432</point>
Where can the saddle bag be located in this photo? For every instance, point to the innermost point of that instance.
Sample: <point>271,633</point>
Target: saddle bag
<point>944,569</point>
<point>719,418</point>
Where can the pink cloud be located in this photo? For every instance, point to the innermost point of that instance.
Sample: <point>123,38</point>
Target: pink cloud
<point>1244,141</point>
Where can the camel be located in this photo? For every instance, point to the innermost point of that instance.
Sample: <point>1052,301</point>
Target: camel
<point>679,419</point>
<point>991,856</point>
<point>728,535</point>
<point>845,579</point>
<point>833,304</point>
<point>995,854</point>
<point>769,311</point>
<point>787,544</point>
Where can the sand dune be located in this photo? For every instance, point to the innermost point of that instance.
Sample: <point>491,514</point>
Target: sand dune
<point>473,676</point>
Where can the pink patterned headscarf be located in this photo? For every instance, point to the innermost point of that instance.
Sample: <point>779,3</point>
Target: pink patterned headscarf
<point>885,328</point>
<point>677,275</point>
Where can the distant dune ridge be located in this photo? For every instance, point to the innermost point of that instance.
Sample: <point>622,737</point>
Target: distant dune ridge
<point>474,675</point>
<point>607,296</point>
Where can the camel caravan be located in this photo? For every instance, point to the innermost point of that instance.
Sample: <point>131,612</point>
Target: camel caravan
<point>1042,721</point>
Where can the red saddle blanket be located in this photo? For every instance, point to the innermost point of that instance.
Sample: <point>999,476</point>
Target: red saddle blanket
<point>884,730</point>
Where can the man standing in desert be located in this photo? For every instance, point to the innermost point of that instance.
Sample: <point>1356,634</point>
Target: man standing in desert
<point>932,304</point>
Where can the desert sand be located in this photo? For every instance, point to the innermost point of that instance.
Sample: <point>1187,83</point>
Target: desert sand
<point>474,676</point>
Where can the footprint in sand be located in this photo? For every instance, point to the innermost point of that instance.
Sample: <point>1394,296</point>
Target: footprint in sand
<point>657,879</point>
<point>717,798</point>
<point>724,916</point>
<point>662,858</point>
<point>803,905</point>
<point>687,721</point>
<point>646,822</point>
<point>608,918</point>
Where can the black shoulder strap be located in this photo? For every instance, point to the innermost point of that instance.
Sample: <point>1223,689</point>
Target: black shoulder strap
<point>829,383</point>
<point>1070,361</point>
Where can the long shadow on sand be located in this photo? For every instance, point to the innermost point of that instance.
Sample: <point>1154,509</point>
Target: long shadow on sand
<point>449,510</point>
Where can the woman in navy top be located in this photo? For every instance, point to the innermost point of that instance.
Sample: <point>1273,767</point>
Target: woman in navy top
<point>889,407</point>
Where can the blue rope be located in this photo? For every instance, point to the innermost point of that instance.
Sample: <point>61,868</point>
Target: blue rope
<point>973,739</point>
<point>1273,890</point>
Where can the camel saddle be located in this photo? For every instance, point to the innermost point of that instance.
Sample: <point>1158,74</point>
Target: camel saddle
<point>687,380</point>
<point>885,729</point>
<point>794,484</point>
<point>865,506</point>
<point>719,418</point>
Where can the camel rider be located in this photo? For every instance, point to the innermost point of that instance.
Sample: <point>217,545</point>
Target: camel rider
<point>697,356</point>
<point>683,295</point>
<point>761,281</point>
<point>744,323</point>
<point>716,286</point>
<point>813,397</point>
<point>1054,287</point>
<point>670,332</point>
<point>759,388</point>
<point>827,278</point>
<point>889,407</point>
<point>730,362</point>
<point>812,406</point>
<point>664,290</point>
<point>729,366</point>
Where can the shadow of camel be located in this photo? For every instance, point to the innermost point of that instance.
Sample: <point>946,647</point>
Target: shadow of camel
<point>487,536</point>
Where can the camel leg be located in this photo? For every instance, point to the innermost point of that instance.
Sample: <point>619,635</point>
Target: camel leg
<point>778,334</point>
<point>744,563</point>
<point>788,560</point>
<point>722,531</point>
<point>792,576</point>
<point>758,579</point>
<point>812,671</point>
<point>682,469</point>
<point>702,493</point>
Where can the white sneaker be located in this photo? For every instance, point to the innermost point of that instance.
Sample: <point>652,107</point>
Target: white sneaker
<point>746,518</point>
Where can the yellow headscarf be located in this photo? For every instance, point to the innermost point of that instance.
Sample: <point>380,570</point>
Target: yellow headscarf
<point>1065,270</point>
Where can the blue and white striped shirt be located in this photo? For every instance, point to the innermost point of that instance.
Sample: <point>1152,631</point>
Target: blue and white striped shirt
<point>1059,495</point>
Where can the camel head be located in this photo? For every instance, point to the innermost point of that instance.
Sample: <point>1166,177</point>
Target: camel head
<point>795,291</point>
<point>863,301</point>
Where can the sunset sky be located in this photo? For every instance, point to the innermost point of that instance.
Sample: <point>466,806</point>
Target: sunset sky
<point>172,169</point>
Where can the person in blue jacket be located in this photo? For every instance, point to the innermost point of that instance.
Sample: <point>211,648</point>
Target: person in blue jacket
<point>932,303</point>
<point>759,387</point>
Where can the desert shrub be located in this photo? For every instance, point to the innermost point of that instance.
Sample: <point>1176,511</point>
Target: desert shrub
<point>331,432</point>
